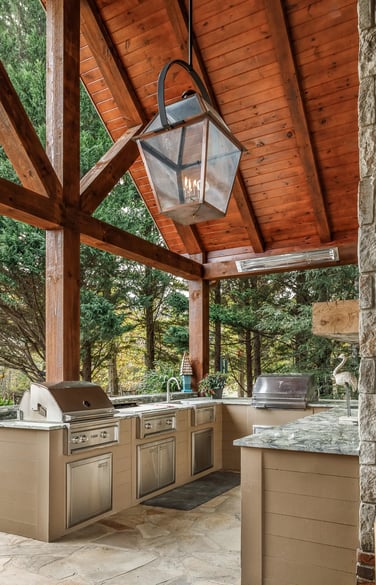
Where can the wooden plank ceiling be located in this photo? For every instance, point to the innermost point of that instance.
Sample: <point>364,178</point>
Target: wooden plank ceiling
<point>283,75</point>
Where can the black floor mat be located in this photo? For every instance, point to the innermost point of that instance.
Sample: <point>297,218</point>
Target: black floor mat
<point>197,492</point>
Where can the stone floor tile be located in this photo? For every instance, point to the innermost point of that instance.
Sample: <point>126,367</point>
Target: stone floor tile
<point>97,564</point>
<point>140,546</point>
<point>14,576</point>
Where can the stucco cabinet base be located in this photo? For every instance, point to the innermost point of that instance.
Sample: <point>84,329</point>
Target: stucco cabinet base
<point>300,504</point>
<point>33,486</point>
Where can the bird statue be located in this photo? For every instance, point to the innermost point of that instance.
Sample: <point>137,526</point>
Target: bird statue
<point>344,378</point>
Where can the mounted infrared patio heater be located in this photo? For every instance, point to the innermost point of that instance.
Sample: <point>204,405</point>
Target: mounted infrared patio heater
<point>306,258</point>
<point>189,153</point>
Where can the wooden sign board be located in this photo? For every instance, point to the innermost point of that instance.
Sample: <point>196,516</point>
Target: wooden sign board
<point>336,320</point>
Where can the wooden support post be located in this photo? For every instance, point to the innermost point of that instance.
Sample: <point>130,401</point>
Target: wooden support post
<point>63,147</point>
<point>199,328</point>
<point>62,305</point>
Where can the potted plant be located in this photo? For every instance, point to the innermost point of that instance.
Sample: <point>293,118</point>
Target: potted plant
<point>212,385</point>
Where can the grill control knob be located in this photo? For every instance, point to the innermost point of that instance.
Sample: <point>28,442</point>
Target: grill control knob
<point>75,439</point>
<point>84,439</point>
<point>147,425</point>
<point>103,434</point>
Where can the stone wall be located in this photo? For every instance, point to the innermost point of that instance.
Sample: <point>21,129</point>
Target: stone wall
<point>367,266</point>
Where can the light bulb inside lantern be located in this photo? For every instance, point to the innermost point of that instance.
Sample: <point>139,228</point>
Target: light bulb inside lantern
<point>191,189</point>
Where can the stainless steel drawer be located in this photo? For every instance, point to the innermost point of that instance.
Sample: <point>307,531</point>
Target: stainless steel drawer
<point>203,415</point>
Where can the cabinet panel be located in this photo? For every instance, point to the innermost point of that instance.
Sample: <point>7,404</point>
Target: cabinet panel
<point>155,466</point>
<point>202,450</point>
<point>166,463</point>
<point>147,461</point>
<point>89,488</point>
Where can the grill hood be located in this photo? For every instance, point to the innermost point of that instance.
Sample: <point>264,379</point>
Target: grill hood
<point>65,402</point>
<point>283,391</point>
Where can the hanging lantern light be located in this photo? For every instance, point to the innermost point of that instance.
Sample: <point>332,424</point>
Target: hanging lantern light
<point>190,156</point>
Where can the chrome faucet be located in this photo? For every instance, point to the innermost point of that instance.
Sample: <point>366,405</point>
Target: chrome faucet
<point>168,387</point>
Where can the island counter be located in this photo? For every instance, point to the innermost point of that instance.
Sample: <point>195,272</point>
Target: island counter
<point>300,502</point>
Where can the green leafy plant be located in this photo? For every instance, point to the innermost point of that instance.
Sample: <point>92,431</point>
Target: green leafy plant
<point>155,381</point>
<point>212,384</point>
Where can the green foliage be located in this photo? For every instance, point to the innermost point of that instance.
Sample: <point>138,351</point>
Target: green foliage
<point>99,320</point>
<point>21,297</point>
<point>212,383</point>
<point>276,310</point>
<point>155,381</point>
<point>178,337</point>
<point>6,401</point>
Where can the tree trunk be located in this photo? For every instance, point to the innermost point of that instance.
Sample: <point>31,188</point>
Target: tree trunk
<point>217,330</point>
<point>300,341</point>
<point>248,353</point>
<point>241,365</point>
<point>256,354</point>
<point>150,338</point>
<point>86,362</point>
<point>113,378</point>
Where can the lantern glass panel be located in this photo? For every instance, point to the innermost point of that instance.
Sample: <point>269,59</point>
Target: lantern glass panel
<point>223,158</point>
<point>173,159</point>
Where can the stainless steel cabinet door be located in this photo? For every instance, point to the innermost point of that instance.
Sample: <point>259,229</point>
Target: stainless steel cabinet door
<point>155,466</point>
<point>147,463</point>
<point>166,463</point>
<point>89,488</point>
<point>202,450</point>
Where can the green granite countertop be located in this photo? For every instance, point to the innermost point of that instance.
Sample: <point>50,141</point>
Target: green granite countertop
<point>324,432</point>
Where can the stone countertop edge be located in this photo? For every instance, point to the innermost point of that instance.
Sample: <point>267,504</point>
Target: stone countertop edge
<point>155,407</point>
<point>322,432</point>
<point>30,425</point>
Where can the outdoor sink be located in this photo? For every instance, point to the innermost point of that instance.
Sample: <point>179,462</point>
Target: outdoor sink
<point>193,401</point>
<point>151,406</point>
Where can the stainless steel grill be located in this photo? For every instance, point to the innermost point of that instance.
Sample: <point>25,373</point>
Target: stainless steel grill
<point>84,408</point>
<point>283,391</point>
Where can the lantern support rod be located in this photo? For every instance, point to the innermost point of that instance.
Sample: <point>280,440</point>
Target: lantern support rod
<point>188,67</point>
<point>190,34</point>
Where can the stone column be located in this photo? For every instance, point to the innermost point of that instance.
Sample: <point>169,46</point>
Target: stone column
<point>367,267</point>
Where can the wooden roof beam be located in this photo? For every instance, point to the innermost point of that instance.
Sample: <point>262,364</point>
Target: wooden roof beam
<point>99,181</point>
<point>25,205</point>
<point>278,29</point>
<point>179,19</point>
<point>215,270</point>
<point>22,145</point>
<point>116,241</point>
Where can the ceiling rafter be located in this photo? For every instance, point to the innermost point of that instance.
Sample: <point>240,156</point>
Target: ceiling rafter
<point>108,61</point>
<point>178,16</point>
<point>190,236</point>
<point>284,55</point>
<point>22,145</point>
